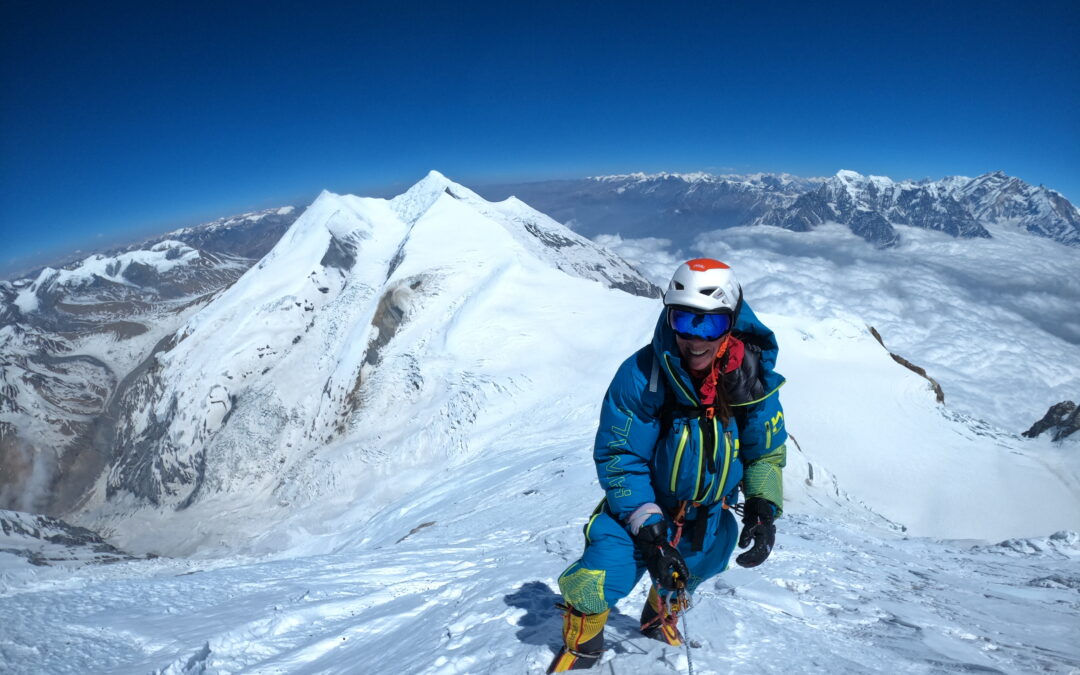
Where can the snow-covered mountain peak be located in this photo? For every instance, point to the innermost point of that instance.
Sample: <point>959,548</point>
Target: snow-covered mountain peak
<point>249,218</point>
<point>412,203</point>
<point>163,256</point>
<point>996,180</point>
<point>949,184</point>
<point>642,177</point>
<point>340,328</point>
<point>138,268</point>
<point>849,176</point>
<point>695,178</point>
<point>857,180</point>
<point>1005,200</point>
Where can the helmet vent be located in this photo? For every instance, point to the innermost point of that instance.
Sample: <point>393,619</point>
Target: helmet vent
<point>708,291</point>
<point>679,286</point>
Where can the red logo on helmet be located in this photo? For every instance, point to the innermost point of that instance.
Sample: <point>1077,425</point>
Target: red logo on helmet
<point>703,264</point>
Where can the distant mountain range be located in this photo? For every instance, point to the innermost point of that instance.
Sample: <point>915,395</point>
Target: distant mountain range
<point>679,206</point>
<point>72,337</point>
<point>120,373</point>
<point>86,347</point>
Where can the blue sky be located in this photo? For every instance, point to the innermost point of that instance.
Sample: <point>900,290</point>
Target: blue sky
<point>121,119</point>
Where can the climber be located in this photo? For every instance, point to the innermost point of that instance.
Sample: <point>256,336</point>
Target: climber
<point>687,422</point>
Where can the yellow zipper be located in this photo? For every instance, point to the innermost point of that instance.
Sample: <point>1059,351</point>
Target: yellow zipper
<point>700,461</point>
<point>678,458</point>
<point>689,397</point>
<point>588,528</point>
<point>759,400</point>
<point>727,462</point>
<point>592,519</point>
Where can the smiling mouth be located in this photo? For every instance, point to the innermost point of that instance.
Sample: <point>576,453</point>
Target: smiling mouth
<point>703,352</point>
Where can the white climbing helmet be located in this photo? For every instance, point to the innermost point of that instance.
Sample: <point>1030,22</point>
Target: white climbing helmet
<point>705,286</point>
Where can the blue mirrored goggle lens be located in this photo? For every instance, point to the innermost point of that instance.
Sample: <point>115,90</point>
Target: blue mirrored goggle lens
<point>703,326</point>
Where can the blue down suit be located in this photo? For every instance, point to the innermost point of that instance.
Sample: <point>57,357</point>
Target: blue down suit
<point>655,444</point>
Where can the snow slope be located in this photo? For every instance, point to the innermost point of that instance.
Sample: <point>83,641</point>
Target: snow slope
<point>373,326</point>
<point>878,428</point>
<point>43,541</point>
<point>438,583</point>
<point>427,536</point>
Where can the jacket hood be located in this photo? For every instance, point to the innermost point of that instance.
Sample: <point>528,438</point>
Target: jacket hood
<point>748,328</point>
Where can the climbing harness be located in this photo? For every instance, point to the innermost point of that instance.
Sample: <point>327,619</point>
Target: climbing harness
<point>680,520</point>
<point>698,524</point>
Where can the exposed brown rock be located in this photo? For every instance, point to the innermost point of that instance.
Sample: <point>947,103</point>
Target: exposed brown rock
<point>921,372</point>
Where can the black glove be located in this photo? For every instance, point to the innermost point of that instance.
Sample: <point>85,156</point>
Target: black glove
<point>665,563</point>
<point>757,525</point>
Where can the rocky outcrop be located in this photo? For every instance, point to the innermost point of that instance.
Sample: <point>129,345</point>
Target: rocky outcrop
<point>43,541</point>
<point>918,370</point>
<point>1061,420</point>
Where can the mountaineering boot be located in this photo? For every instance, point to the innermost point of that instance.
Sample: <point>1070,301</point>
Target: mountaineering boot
<point>661,624</point>
<point>583,641</point>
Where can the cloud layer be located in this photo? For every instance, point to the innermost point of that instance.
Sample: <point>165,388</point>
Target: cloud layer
<point>996,321</point>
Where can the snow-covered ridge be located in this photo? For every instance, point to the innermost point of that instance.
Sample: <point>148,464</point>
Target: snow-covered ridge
<point>162,256</point>
<point>232,221</point>
<point>757,178</point>
<point>871,206</point>
<point>1061,545</point>
<point>663,175</point>
<point>136,268</point>
<point>341,332</point>
<point>69,337</point>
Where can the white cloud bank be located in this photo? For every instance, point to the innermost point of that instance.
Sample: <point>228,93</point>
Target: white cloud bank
<point>995,321</point>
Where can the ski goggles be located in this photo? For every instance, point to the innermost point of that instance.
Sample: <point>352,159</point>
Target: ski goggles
<point>693,326</point>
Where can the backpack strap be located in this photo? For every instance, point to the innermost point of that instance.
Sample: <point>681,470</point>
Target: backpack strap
<point>654,378</point>
<point>669,401</point>
<point>670,408</point>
